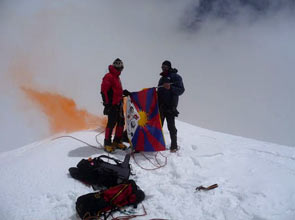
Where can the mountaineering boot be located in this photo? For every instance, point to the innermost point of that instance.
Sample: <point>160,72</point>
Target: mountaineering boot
<point>118,144</point>
<point>173,150</point>
<point>173,147</point>
<point>109,149</point>
<point>108,146</point>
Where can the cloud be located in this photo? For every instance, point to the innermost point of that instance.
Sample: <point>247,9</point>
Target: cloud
<point>237,74</point>
<point>233,12</point>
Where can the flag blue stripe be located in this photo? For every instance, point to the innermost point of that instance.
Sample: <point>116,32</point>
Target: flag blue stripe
<point>147,144</point>
<point>157,133</point>
<point>134,98</point>
<point>154,113</point>
<point>149,99</point>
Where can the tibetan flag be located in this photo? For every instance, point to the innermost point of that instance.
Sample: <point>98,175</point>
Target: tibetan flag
<point>144,127</point>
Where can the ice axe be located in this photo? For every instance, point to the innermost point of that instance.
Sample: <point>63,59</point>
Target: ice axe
<point>199,188</point>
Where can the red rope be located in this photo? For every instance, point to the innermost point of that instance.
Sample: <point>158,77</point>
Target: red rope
<point>156,166</point>
<point>127,217</point>
<point>165,163</point>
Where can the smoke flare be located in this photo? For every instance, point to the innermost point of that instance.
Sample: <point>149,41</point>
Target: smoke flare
<point>62,112</point>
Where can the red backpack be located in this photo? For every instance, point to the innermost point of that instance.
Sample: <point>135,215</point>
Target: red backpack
<point>103,203</point>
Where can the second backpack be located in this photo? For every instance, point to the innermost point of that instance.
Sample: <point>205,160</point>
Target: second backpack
<point>103,203</point>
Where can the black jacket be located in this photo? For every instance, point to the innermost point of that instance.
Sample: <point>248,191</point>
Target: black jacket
<point>168,98</point>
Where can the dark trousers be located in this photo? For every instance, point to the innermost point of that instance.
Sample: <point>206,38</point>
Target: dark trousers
<point>170,118</point>
<point>115,117</point>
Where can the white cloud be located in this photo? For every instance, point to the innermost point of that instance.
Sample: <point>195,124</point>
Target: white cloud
<point>238,78</point>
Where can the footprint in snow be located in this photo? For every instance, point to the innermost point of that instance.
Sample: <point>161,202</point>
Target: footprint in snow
<point>196,162</point>
<point>194,147</point>
<point>212,155</point>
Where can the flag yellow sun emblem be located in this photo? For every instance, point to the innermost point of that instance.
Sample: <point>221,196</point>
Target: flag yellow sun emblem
<point>143,118</point>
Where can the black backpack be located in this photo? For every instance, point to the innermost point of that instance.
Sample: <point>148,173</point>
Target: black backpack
<point>98,172</point>
<point>103,203</point>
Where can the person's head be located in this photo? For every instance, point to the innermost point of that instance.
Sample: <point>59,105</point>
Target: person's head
<point>166,66</point>
<point>118,64</point>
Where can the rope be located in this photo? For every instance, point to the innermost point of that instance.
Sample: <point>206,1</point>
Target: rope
<point>157,166</point>
<point>127,217</point>
<point>165,163</point>
<point>84,142</point>
<point>101,132</point>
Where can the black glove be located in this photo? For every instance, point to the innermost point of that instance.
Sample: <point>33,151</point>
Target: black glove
<point>175,112</point>
<point>107,109</point>
<point>126,92</point>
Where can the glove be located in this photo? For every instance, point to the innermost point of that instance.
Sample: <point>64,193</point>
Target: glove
<point>126,92</point>
<point>175,112</point>
<point>107,109</point>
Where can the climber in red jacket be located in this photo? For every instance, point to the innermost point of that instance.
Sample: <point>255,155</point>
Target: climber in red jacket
<point>112,95</point>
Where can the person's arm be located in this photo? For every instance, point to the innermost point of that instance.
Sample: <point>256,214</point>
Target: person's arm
<point>105,87</point>
<point>160,85</point>
<point>177,86</point>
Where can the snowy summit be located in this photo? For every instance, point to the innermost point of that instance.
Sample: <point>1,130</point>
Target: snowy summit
<point>255,179</point>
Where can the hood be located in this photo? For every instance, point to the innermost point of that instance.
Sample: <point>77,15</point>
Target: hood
<point>114,71</point>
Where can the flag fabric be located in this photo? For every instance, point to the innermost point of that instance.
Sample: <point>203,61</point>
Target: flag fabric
<point>144,127</point>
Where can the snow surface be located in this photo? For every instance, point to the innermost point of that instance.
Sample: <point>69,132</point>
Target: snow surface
<point>256,179</point>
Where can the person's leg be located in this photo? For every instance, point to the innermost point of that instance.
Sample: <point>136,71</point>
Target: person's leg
<point>172,131</point>
<point>119,131</point>
<point>125,137</point>
<point>162,116</point>
<point>120,126</point>
<point>112,120</point>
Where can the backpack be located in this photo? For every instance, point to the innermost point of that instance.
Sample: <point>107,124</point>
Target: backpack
<point>103,203</point>
<point>98,172</point>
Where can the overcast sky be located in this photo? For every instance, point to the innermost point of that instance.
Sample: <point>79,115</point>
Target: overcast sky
<point>238,71</point>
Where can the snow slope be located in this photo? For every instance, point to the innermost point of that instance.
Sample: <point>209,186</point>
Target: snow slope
<point>256,179</point>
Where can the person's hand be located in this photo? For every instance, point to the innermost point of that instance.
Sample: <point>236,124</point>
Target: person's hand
<point>126,92</point>
<point>166,85</point>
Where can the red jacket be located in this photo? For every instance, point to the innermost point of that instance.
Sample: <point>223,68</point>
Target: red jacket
<point>111,87</point>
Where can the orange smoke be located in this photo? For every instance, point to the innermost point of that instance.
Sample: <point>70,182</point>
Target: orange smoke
<point>62,112</point>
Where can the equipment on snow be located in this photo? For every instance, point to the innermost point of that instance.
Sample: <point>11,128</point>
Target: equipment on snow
<point>98,172</point>
<point>105,202</point>
<point>199,188</point>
